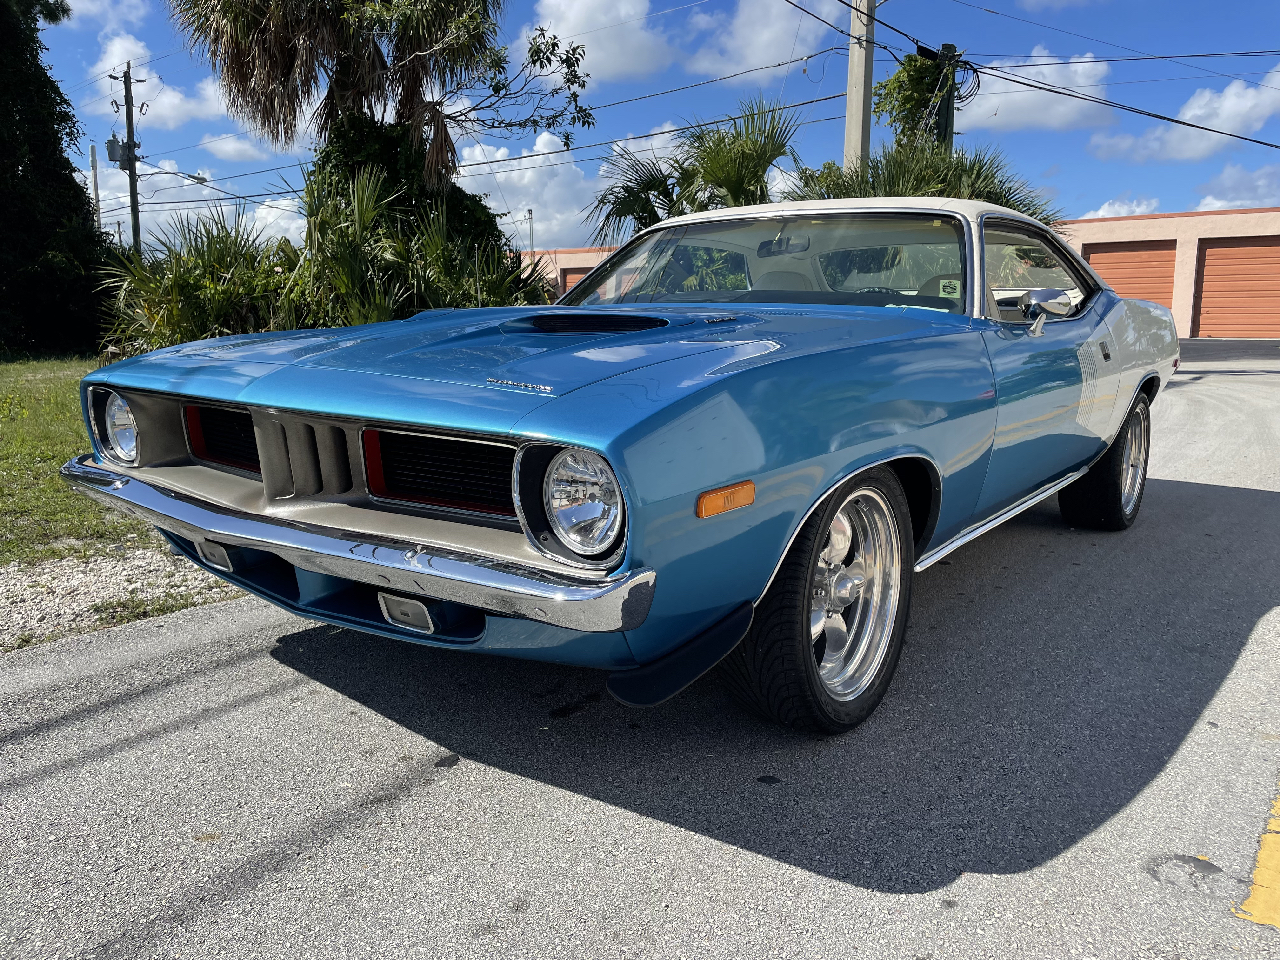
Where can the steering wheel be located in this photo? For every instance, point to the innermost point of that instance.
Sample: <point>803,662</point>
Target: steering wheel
<point>888,290</point>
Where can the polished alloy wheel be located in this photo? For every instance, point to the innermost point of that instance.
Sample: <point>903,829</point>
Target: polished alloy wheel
<point>1134,459</point>
<point>855,590</point>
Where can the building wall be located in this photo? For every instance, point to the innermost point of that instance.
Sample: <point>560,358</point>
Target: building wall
<point>565,267</point>
<point>1187,230</point>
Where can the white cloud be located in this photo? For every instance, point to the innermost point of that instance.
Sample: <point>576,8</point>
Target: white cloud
<point>1123,207</point>
<point>558,195</point>
<point>167,107</point>
<point>233,149</point>
<point>162,197</point>
<point>631,50</point>
<point>761,32</point>
<point>663,145</point>
<point>1236,187</point>
<point>280,218</point>
<point>111,15</point>
<point>1005,105</point>
<point>1239,108</point>
<point>165,197</point>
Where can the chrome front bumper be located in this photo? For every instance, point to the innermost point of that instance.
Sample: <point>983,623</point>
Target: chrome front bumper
<point>620,602</point>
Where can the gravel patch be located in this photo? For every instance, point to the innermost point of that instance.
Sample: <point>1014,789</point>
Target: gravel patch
<point>55,598</point>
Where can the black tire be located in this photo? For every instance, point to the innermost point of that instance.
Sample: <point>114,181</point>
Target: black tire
<point>774,670</point>
<point>1097,501</point>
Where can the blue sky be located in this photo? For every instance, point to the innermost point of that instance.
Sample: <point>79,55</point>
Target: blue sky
<point>1092,159</point>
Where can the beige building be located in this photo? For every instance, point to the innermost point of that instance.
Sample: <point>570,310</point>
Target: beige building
<point>566,267</point>
<point>1218,271</point>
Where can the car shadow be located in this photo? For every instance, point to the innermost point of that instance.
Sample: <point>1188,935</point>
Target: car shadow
<point>1048,676</point>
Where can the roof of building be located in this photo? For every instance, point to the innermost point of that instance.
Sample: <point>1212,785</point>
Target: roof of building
<point>1234,211</point>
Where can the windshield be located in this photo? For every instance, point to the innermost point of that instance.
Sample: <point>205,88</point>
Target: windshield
<point>882,259</point>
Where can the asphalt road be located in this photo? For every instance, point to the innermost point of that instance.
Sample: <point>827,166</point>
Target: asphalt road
<point>1076,759</point>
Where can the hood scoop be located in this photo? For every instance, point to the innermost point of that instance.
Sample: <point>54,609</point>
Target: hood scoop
<point>583,323</point>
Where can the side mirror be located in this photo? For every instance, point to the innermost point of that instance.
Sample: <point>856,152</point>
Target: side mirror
<point>1038,305</point>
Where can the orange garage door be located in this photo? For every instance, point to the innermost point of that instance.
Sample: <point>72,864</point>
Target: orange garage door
<point>1139,270</point>
<point>1239,292</point>
<point>570,276</point>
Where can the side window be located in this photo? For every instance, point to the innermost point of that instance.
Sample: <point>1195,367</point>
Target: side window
<point>1017,261</point>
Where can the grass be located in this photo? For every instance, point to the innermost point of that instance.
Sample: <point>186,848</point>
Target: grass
<point>41,517</point>
<point>41,429</point>
<point>127,609</point>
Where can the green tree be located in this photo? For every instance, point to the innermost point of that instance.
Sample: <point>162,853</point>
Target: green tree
<point>437,67</point>
<point>909,99</point>
<point>712,166</point>
<point>919,167</point>
<point>48,298</point>
<point>359,143</point>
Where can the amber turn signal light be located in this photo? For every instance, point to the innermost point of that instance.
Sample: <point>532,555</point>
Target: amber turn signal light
<point>726,499</point>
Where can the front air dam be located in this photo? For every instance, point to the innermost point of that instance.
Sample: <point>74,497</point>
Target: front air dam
<point>662,679</point>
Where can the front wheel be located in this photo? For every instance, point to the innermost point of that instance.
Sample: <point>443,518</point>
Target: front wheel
<point>826,637</point>
<point>1109,495</point>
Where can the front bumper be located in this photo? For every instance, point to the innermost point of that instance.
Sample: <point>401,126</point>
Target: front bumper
<point>619,602</point>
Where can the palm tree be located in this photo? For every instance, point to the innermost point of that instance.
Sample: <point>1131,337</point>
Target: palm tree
<point>711,167</point>
<point>918,167</point>
<point>436,67</point>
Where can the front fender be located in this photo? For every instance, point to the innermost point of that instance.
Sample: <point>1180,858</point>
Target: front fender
<point>796,425</point>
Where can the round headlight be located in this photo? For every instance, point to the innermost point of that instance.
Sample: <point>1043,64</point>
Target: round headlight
<point>122,431</point>
<point>584,503</point>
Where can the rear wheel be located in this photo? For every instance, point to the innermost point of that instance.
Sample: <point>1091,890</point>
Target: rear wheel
<point>1109,495</point>
<point>826,637</point>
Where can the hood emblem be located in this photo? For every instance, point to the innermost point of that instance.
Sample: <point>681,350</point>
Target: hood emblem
<point>516,383</point>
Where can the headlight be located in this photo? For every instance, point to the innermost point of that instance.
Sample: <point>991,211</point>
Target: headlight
<point>122,431</point>
<point>583,501</point>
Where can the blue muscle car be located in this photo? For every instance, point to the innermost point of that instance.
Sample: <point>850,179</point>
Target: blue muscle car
<point>734,443</point>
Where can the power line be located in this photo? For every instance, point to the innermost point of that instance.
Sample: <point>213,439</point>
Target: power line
<point>109,70</point>
<point>198,180</point>
<point>1061,91</point>
<point>192,200</point>
<point>192,146</point>
<point>1109,43</point>
<point>251,173</point>
<point>1055,58</point>
<point>1013,78</point>
<point>703,83</point>
<point>641,136</point>
<point>1112,83</point>
<point>866,16</point>
<point>606,156</point>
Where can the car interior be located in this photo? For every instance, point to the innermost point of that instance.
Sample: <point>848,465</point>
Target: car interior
<point>914,260</point>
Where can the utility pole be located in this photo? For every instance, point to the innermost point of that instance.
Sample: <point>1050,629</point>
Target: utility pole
<point>129,156</point>
<point>862,63</point>
<point>530,213</point>
<point>97,205</point>
<point>947,109</point>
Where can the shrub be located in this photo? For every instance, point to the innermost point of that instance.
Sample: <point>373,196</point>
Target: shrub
<point>917,167</point>
<point>364,259</point>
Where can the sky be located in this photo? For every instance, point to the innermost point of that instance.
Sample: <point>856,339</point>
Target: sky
<point>1091,159</point>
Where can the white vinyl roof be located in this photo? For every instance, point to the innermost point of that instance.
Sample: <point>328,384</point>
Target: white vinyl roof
<point>970,209</point>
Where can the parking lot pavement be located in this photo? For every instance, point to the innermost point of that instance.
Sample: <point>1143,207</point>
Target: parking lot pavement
<point>1076,759</point>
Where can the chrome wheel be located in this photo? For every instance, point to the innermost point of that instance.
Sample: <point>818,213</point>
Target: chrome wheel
<point>1134,459</point>
<point>855,594</point>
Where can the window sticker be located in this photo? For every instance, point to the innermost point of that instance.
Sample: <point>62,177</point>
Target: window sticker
<point>949,288</point>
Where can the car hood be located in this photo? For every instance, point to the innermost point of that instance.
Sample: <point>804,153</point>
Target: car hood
<point>506,360</point>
